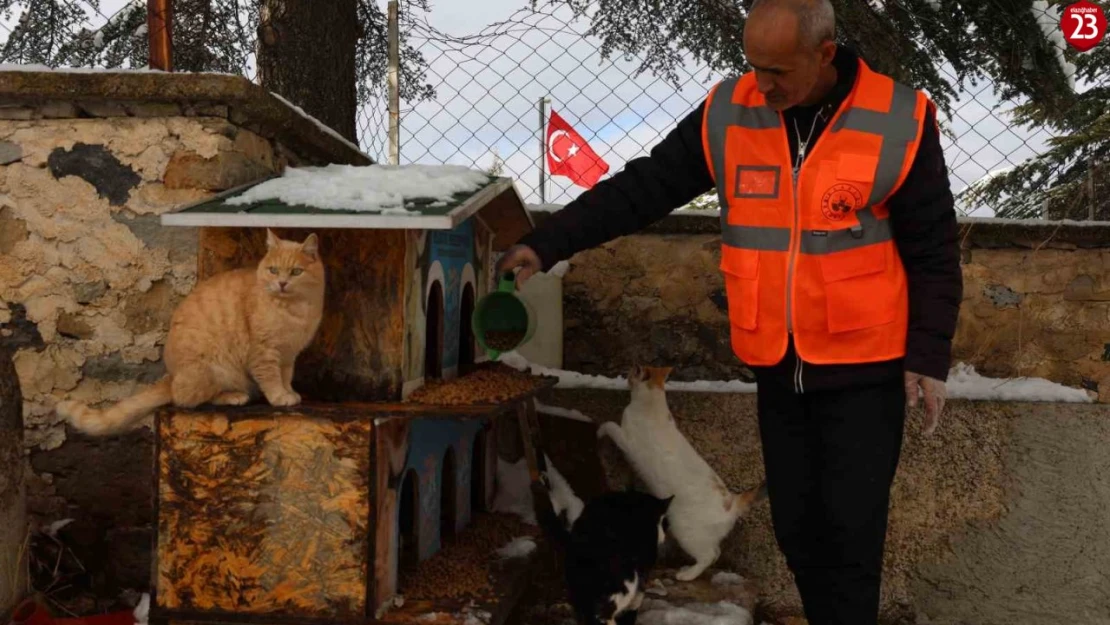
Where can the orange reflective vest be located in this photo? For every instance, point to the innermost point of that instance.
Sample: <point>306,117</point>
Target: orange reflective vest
<point>811,252</point>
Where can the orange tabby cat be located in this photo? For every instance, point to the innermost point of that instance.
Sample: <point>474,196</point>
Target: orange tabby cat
<point>237,332</point>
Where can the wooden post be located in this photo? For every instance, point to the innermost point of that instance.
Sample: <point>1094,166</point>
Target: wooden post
<point>394,76</point>
<point>159,21</point>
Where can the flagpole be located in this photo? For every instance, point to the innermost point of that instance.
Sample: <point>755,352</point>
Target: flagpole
<point>543,149</point>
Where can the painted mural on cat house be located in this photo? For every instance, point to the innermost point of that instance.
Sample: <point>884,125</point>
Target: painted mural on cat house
<point>330,510</point>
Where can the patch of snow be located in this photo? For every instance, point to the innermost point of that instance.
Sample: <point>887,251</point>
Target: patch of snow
<point>319,124</point>
<point>1048,18</point>
<point>430,616</point>
<point>514,490</point>
<point>566,413</point>
<point>657,612</point>
<point>53,529</point>
<point>98,39</point>
<point>994,173</point>
<point>878,5</point>
<point>934,5</point>
<point>726,578</point>
<point>372,189</point>
<point>965,383</point>
<point>518,548</point>
<point>562,495</point>
<point>35,67</point>
<point>572,379</point>
<point>142,611</point>
<point>140,31</point>
<point>560,269</point>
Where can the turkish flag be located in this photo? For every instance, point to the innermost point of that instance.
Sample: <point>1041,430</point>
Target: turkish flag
<point>569,155</point>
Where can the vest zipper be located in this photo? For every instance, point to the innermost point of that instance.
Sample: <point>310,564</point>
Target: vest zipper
<point>790,283</point>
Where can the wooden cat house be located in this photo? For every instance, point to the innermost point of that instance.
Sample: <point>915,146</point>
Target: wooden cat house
<point>333,510</point>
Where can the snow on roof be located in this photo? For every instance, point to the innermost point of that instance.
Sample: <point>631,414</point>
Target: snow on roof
<point>348,196</point>
<point>319,124</point>
<point>963,383</point>
<point>374,189</point>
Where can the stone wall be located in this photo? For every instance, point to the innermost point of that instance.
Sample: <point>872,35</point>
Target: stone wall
<point>89,278</point>
<point>1036,302</point>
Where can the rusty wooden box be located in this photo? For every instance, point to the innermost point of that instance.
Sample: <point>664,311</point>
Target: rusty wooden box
<point>306,513</point>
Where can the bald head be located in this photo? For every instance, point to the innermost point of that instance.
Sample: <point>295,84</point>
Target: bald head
<point>790,44</point>
<point>814,21</point>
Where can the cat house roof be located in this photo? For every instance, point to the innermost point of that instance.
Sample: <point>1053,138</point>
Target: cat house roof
<point>414,197</point>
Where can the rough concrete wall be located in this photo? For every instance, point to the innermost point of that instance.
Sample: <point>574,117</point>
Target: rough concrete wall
<point>86,266</point>
<point>658,298</point>
<point>997,519</point>
<point>655,299</point>
<point>1042,313</point>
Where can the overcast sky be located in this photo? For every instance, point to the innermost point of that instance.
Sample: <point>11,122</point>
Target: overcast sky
<point>488,97</point>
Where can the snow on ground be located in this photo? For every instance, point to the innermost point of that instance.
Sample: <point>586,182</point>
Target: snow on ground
<point>658,612</point>
<point>573,379</point>
<point>963,383</point>
<point>726,578</point>
<point>514,490</point>
<point>373,189</point>
<point>517,548</point>
<point>556,411</point>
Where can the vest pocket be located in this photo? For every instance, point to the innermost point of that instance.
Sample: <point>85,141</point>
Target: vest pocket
<point>741,272</point>
<point>858,292</point>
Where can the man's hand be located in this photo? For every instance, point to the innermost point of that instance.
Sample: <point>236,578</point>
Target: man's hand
<point>523,257</point>
<point>935,392</point>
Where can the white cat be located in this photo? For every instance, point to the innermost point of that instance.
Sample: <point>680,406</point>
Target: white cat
<point>704,511</point>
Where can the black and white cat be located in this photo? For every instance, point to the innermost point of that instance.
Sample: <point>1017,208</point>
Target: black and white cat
<point>609,547</point>
<point>704,511</point>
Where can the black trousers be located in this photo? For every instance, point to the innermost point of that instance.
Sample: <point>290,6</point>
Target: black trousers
<point>830,457</point>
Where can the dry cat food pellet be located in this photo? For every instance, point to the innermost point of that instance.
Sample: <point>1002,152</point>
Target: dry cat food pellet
<point>503,339</point>
<point>460,570</point>
<point>486,385</point>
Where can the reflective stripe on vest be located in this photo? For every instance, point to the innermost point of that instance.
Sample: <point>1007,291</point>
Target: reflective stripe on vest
<point>810,253</point>
<point>898,128</point>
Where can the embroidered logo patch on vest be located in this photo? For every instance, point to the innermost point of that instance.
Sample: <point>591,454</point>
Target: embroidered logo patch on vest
<point>840,200</point>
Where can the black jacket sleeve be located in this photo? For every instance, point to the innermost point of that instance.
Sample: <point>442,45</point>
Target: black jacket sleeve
<point>923,219</point>
<point>645,191</point>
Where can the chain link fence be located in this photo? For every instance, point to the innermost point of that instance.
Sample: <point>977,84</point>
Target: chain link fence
<point>485,110</point>
<point>481,104</point>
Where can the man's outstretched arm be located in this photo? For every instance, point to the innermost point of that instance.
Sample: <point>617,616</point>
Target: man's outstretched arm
<point>645,191</point>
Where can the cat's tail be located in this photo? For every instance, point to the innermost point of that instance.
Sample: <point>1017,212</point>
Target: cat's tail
<point>742,502</point>
<point>120,417</point>
<point>546,516</point>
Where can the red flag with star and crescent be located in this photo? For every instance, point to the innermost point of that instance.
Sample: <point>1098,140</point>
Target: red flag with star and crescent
<point>569,155</point>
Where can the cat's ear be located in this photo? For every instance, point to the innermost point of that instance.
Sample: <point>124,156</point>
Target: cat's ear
<point>311,246</point>
<point>635,374</point>
<point>272,239</point>
<point>658,375</point>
